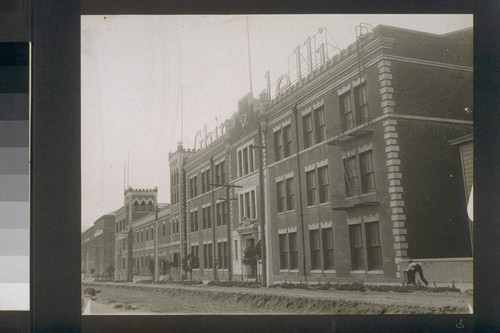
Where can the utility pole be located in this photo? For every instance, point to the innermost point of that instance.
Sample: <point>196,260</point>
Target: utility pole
<point>295,111</point>
<point>155,278</point>
<point>227,199</point>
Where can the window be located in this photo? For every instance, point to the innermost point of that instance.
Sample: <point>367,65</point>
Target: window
<point>222,172</point>
<point>220,177</point>
<point>248,206</point>
<point>164,233</point>
<point>290,194</point>
<point>218,213</point>
<point>367,173</point>
<point>315,249</point>
<point>294,255</point>
<point>222,255</point>
<point>193,190</point>
<point>246,161</point>
<point>351,183</point>
<point>285,195</point>
<point>278,145</point>
<point>221,213</point>
<point>308,130</point>
<point>327,242</point>
<point>282,143</point>
<point>373,246</point>
<point>280,193</point>
<point>287,139</point>
<point>319,122</point>
<point>346,111</point>
<point>207,218</point>
<point>194,250</point>
<point>205,180</point>
<point>207,255</point>
<point>356,240</point>
<point>323,184</point>
<point>362,104</point>
<point>311,187</point>
<point>174,186</point>
<point>283,244</point>
<point>193,216</point>
<point>236,249</point>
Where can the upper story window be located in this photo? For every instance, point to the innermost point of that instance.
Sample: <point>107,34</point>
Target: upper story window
<point>346,111</point>
<point>317,185</point>
<point>207,217</point>
<point>362,110</point>
<point>285,195</point>
<point>319,124</point>
<point>278,145</point>
<point>314,126</point>
<point>221,212</point>
<point>193,218</point>
<point>351,179</point>
<point>282,142</point>
<point>174,185</point>
<point>220,173</point>
<point>367,172</point>
<point>246,159</point>
<point>205,180</point>
<point>193,187</point>
<point>308,130</point>
<point>248,204</point>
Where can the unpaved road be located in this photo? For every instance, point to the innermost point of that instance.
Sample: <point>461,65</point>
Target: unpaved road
<point>174,299</point>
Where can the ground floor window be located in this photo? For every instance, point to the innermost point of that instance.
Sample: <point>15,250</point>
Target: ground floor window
<point>356,240</point>
<point>315,249</point>
<point>283,244</point>
<point>207,255</point>
<point>373,246</point>
<point>289,256</point>
<point>327,242</point>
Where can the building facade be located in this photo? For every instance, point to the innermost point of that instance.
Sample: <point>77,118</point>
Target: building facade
<point>341,174</point>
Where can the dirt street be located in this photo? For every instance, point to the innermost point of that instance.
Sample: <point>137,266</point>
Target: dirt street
<point>170,299</point>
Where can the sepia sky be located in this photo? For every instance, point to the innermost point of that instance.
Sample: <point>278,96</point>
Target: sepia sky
<point>133,68</point>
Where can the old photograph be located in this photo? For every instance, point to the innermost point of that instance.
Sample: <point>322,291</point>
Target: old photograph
<point>276,164</point>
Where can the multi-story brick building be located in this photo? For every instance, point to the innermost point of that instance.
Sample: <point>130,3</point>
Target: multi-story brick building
<point>357,171</point>
<point>98,249</point>
<point>360,173</point>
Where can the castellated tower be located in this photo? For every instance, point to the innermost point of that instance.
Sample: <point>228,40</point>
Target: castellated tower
<point>139,202</point>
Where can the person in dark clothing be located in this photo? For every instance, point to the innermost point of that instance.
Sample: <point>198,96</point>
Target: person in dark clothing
<point>412,270</point>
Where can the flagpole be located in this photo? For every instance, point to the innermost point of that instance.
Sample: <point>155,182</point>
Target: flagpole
<point>249,57</point>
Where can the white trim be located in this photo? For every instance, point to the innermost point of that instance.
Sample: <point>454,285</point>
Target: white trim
<point>306,111</point>
<point>321,163</point>
<point>328,224</point>
<point>318,104</point>
<point>365,147</point>
<point>292,229</point>
<point>314,226</point>
<point>342,90</point>
<point>354,220</point>
<point>371,218</point>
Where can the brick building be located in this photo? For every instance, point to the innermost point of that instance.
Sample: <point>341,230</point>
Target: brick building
<point>98,249</point>
<point>357,174</point>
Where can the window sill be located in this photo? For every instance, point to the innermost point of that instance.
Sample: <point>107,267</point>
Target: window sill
<point>376,272</point>
<point>358,271</point>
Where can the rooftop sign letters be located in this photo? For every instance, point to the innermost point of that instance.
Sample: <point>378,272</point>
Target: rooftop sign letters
<point>312,54</point>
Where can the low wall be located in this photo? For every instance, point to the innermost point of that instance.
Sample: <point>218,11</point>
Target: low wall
<point>443,270</point>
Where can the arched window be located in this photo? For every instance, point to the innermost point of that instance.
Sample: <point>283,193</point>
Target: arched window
<point>150,206</point>
<point>136,206</point>
<point>143,206</point>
